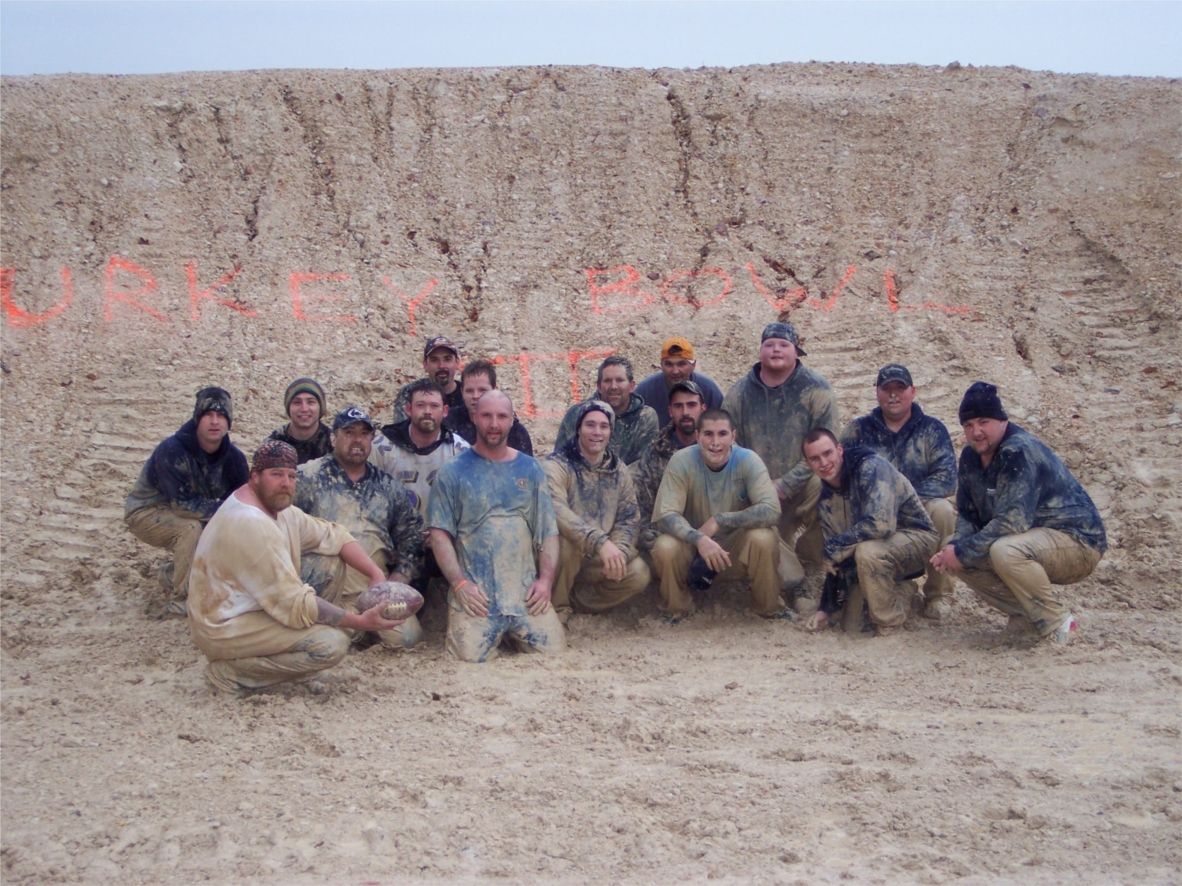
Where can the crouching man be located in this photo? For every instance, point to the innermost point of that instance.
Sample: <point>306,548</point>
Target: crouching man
<point>249,612</point>
<point>598,518</point>
<point>872,520</point>
<point>717,510</point>
<point>1023,521</point>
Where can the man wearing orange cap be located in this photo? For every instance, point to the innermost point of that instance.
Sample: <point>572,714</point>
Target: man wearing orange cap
<point>677,365</point>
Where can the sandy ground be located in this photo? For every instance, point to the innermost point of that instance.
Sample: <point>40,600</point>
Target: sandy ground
<point>1009,225</point>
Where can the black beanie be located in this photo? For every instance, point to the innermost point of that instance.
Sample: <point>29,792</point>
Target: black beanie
<point>214,399</point>
<point>981,401</point>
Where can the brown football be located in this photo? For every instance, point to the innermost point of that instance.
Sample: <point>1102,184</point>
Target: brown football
<point>401,601</point>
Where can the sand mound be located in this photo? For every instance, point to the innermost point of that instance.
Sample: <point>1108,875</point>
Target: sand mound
<point>163,233</point>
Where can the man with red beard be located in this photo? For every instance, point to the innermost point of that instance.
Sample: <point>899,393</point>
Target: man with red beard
<point>252,616</point>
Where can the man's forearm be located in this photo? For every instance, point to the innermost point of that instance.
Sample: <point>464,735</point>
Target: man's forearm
<point>548,561</point>
<point>354,555</point>
<point>445,556</point>
<point>328,614</point>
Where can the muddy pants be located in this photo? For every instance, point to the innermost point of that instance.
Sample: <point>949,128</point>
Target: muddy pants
<point>176,531</point>
<point>754,553</point>
<point>476,638</point>
<point>881,563</point>
<point>319,649</point>
<point>798,514</point>
<point>943,516</point>
<point>341,586</point>
<point>580,585</point>
<point>1022,569</point>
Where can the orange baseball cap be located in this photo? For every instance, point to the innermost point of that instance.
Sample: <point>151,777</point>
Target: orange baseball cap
<point>677,347</point>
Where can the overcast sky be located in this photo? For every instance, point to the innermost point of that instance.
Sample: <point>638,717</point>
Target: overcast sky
<point>1119,38</point>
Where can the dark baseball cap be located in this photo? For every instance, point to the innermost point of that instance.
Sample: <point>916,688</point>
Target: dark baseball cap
<point>690,387</point>
<point>893,372</point>
<point>354,415</point>
<point>783,330</point>
<point>439,341</point>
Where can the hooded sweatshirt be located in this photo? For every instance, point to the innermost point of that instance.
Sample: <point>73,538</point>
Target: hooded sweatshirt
<point>593,503</point>
<point>773,421</point>
<point>921,450</point>
<point>181,475</point>
<point>632,432</point>
<point>873,502</point>
<point>1025,487</point>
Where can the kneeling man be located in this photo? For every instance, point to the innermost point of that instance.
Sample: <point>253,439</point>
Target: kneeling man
<point>249,612</point>
<point>873,520</point>
<point>716,501</point>
<point>598,518</point>
<point>496,542</point>
<point>1023,521</point>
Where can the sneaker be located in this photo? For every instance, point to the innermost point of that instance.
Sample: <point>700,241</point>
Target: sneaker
<point>178,608</point>
<point>674,618</point>
<point>784,614</point>
<point>937,609</point>
<point>887,631</point>
<point>1062,636</point>
<point>806,602</point>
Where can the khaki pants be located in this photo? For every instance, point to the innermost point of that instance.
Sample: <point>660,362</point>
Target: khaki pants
<point>796,514</point>
<point>1022,569</point>
<point>755,554</point>
<point>176,531</point>
<point>579,583</point>
<point>319,649</point>
<point>943,516</point>
<point>879,564</point>
<point>475,638</point>
<point>330,577</point>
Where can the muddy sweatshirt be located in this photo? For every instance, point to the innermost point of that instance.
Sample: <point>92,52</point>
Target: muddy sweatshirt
<point>739,496</point>
<point>647,474</point>
<point>874,501</point>
<point>375,510</point>
<point>593,503</point>
<point>632,432</point>
<point>179,474</point>
<point>316,446</point>
<point>1025,487</point>
<point>921,450</point>
<point>773,421</point>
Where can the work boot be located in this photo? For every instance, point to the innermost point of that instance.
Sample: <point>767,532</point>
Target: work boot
<point>1062,636</point>
<point>937,609</point>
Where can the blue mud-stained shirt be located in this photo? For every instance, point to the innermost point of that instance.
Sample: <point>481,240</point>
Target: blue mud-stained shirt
<point>498,513</point>
<point>179,474</point>
<point>1025,487</point>
<point>654,391</point>
<point>921,450</point>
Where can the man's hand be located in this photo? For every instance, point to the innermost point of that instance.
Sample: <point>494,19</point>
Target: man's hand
<point>946,562</point>
<point>713,553</point>
<point>538,598</point>
<point>371,620</point>
<point>614,561</point>
<point>398,577</point>
<point>472,600</point>
<point>830,568</point>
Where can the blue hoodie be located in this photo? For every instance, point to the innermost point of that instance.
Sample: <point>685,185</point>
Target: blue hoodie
<point>921,450</point>
<point>180,474</point>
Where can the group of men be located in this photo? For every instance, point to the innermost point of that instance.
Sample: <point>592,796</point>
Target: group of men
<point>667,478</point>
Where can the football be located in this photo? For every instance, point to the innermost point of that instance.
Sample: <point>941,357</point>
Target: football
<point>401,601</point>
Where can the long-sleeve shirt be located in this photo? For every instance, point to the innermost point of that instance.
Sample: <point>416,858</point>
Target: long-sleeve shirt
<point>647,474</point>
<point>593,504</point>
<point>1026,486</point>
<point>921,450</point>
<point>654,391</point>
<point>375,510</point>
<point>738,496</point>
<point>874,501</point>
<point>316,446</point>
<point>773,421</point>
<point>181,475</point>
<point>248,562</point>
<point>632,432</point>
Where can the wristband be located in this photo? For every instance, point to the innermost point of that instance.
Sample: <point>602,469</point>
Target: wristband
<point>456,589</point>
